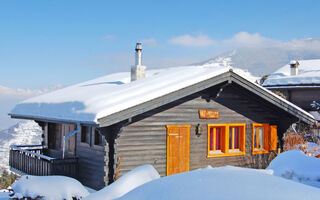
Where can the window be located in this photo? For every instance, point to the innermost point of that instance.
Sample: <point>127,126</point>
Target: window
<point>216,138</point>
<point>226,140</point>
<point>98,138</point>
<point>234,138</point>
<point>264,138</point>
<point>85,134</point>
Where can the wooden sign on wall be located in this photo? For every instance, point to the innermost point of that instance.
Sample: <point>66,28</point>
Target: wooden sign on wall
<point>209,114</point>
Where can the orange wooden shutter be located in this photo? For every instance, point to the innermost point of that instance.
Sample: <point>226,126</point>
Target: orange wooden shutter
<point>266,136</point>
<point>273,138</point>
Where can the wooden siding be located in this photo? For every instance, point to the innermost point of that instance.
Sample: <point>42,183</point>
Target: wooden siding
<point>92,162</point>
<point>302,97</point>
<point>144,140</point>
<point>92,158</point>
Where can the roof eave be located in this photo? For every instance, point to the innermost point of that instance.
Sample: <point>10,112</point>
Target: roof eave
<point>51,120</point>
<point>272,99</point>
<point>160,101</point>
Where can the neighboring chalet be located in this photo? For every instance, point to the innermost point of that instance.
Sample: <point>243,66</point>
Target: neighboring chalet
<point>299,82</point>
<point>176,119</point>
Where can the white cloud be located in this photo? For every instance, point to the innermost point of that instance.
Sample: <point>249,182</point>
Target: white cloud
<point>19,93</point>
<point>192,41</point>
<point>245,39</point>
<point>152,42</point>
<point>109,37</point>
<point>308,44</point>
<point>9,97</point>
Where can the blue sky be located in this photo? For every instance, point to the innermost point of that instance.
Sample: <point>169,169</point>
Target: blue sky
<point>48,43</point>
<point>45,43</point>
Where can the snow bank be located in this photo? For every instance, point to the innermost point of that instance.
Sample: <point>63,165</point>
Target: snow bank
<point>223,183</point>
<point>126,183</point>
<point>4,195</point>
<point>297,166</point>
<point>49,187</point>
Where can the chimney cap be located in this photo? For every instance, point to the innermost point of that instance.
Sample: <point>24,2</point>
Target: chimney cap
<point>138,46</point>
<point>294,63</point>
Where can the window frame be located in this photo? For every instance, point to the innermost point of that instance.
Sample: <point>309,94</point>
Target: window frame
<point>95,132</point>
<point>225,151</point>
<point>88,134</point>
<point>265,148</point>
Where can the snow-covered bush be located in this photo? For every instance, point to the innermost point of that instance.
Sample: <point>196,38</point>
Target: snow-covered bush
<point>48,187</point>
<point>313,149</point>
<point>294,141</point>
<point>136,177</point>
<point>297,166</point>
<point>6,179</point>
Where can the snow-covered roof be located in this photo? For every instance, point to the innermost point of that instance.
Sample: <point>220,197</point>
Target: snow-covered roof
<point>308,75</point>
<point>92,100</point>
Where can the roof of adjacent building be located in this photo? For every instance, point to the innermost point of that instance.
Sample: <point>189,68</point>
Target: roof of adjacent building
<point>113,98</point>
<point>308,76</point>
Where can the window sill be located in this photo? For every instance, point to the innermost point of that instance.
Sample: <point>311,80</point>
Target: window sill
<point>220,154</point>
<point>259,151</point>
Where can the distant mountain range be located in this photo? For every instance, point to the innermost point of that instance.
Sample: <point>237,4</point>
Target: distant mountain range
<point>24,132</point>
<point>264,60</point>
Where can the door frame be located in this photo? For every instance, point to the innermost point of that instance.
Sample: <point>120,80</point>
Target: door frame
<point>188,143</point>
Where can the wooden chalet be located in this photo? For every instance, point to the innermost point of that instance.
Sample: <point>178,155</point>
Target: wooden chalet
<point>176,119</point>
<point>298,81</point>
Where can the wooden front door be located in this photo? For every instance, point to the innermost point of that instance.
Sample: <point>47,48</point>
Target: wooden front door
<point>178,137</point>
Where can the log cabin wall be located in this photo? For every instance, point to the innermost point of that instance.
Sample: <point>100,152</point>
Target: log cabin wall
<point>92,159</point>
<point>144,141</point>
<point>302,97</point>
<point>89,150</point>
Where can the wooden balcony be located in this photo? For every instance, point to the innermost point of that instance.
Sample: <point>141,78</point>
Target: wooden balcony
<point>31,159</point>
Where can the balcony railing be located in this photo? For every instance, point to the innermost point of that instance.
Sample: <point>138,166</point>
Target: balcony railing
<point>30,159</point>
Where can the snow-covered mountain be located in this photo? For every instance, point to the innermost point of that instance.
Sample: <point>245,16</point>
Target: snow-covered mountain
<point>24,132</point>
<point>263,60</point>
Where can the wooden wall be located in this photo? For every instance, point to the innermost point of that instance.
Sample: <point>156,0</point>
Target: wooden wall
<point>144,140</point>
<point>91,162</point>
<point>92,158</point>
<point>302,97</point>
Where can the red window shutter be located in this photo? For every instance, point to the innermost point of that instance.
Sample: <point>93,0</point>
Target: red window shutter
<point>273,138</point>
<point>242,139</point>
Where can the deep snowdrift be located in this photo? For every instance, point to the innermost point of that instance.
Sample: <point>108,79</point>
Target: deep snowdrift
<point>297,166</point>
<point>126,183</point>
<point>223,183</point>
<point>48,187</point>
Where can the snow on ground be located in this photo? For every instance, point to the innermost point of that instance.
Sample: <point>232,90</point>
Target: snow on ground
<point>49,187</point>
<point>308,73</point>
<point>297,166</point>
<point>24,132</point>
<point>223,183</point>
<point>126,183</point>
<point>4,195</point>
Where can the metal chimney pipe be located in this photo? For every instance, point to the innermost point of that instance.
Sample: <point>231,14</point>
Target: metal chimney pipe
<point>138,71</point>
<point>294,67</point>
<point>138,54</point>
